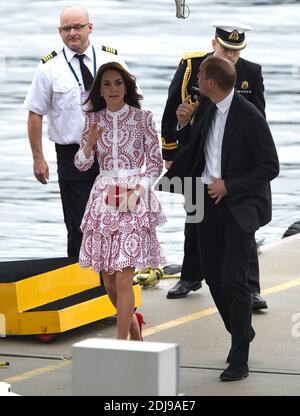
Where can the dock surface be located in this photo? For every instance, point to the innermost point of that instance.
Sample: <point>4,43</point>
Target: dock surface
<point>46,369</point>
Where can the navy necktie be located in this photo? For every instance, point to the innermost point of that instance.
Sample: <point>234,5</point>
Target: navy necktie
<point>87,77</point>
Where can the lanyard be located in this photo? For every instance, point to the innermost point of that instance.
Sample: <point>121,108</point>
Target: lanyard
<point>72,69</point>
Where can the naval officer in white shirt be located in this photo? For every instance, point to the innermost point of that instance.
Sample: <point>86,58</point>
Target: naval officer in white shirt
<point>58,91</point>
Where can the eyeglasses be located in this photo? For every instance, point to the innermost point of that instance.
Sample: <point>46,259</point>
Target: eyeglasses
<point>75,27</point>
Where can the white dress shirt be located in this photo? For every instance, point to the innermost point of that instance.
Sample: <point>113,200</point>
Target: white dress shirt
<point>56,93</point>
<point>214,140</point>
<point>88,61</point>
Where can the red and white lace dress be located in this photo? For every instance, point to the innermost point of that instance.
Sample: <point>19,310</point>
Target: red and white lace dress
<point>113,239</point>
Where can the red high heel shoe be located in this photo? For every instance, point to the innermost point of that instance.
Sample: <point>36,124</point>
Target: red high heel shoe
<point>141,321</point>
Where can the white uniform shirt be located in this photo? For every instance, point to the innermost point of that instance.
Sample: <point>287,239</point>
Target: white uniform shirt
<point>214,141</point>
<point>56,93</point>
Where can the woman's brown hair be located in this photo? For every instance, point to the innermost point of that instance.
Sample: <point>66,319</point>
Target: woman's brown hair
<point>96,102</point>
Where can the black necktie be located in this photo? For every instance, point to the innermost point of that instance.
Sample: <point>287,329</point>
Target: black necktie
<point>87,77</point>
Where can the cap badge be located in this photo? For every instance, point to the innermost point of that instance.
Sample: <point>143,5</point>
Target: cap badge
<point>234,35</point>
<point>245,85</point>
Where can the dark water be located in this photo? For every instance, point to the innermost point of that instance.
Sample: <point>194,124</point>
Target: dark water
<point>151,39</point>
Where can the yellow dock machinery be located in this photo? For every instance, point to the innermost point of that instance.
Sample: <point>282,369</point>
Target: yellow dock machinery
<point>45,297</point>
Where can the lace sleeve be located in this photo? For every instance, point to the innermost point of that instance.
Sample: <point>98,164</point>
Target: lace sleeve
<point>81,162</point>
<point>154,162</point>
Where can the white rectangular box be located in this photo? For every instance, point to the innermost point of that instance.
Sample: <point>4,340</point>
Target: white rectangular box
<point>110,367</point>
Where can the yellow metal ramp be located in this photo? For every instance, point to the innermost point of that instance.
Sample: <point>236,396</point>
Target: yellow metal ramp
<point>49,296</point>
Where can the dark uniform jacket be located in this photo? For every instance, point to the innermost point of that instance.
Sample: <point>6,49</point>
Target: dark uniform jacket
<point>249,84</point>
<point>248,161</point>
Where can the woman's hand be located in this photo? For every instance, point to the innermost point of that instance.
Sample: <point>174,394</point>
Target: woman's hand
<point>132,201</point>
<point>95,133</point>
<point>134,196</point>
<point>168,164</point>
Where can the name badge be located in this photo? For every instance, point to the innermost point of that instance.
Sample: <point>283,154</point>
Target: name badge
<point>84,97</point>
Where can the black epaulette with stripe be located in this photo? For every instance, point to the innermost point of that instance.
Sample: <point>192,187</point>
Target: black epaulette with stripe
<point>109,49</point>
<point>47,58</point>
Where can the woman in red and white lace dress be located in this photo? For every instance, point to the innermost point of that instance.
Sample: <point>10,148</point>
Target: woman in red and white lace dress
<point>122,213</point>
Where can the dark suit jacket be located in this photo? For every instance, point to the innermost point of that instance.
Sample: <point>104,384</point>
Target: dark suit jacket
<point>248,163</point>
<point>249,84</point>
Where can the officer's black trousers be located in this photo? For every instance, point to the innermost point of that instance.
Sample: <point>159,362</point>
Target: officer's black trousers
<point>75,188</point>
<point>192,267</point>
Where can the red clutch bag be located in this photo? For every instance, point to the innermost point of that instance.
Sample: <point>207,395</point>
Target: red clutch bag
<point>115,193</point>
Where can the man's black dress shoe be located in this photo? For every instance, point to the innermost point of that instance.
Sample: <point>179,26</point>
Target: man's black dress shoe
<point>234,373</point>
<point>182,288</point>
<point>258,302</point>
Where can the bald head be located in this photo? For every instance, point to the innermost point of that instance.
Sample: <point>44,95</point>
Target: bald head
<point>73,12</point>
<point>75,28</point>
<point>221,71</point>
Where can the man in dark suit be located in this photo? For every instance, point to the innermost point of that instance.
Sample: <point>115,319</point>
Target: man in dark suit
<point>231,148</point>
<point>229,41</point>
